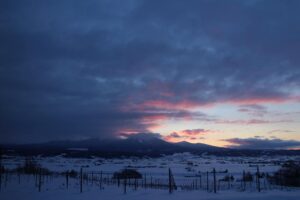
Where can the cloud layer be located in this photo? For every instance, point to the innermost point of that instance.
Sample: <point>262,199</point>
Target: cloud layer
<point>262,143</point>
<point>75,69</point>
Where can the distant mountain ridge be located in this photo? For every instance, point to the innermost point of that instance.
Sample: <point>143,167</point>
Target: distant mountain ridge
<point>143,144</point>
<point>134,144</point>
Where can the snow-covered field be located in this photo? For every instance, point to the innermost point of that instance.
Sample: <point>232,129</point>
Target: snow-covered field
<point>180,163</point>
<point>186,169</point>
<point>26,191</point>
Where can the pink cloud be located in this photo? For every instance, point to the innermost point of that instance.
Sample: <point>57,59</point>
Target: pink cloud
<point>194,131</point>
<point>187,135</point>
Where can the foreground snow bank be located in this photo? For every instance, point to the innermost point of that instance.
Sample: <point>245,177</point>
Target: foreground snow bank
<point>56,191</point>
<point>139,195</point>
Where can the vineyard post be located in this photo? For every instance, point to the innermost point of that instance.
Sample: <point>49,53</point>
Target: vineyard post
<point>257,179</point>
<point>200,181</point>
<point>170,183</point>
<point>207,180</point>
<point>244,180</point>
<point>215,186</point>
<point>40,179</point>
<point>125,184</point>
<point>100,180</point>
<point>81,179</point>
<point>0,168</point>
<point>67,179</point>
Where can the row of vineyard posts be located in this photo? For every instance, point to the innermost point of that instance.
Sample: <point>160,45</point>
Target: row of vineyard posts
<point>101,179</point>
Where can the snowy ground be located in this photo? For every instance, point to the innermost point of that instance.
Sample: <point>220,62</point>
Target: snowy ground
<point>26,190</point>
<point>183,166</point>
<point>179,163</point>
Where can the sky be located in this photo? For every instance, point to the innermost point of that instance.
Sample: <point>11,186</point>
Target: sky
<point>224,73</point>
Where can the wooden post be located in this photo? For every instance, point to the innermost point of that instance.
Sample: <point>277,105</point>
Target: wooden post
<point>81,179</point>
<point>67,179</point>
<point>6,179</point>
<point>244,180</point>
<point>36,178</point>
<point>280,180</point>
<point>40,179</point>
<point>0,179</point>
<point>257,179</point>
<point>215,186</point>
<point>100,180</point>
<point>125,184</point>
<point>229,181</point>
<point>170,183</point>
<point>118,181</point>
<point>0,176</point>
<point>200,181</point>
<point>0,169</point>
<point>207,181</point>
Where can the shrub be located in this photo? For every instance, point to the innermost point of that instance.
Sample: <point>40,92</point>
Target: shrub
<point>127,174</point>
<point>248,177</point>
<point>287,175</point>
<point>227,178</point>
<point>31,167</point>
<point>73,173</point>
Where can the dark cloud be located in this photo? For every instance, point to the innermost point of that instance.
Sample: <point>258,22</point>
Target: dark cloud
<point>254,110</point>
<point>261,143</point>
<point>97,68</point>
<point>174,135</point>
<point>281,131</point>
<point>250,121</point>
<point>144,136</point>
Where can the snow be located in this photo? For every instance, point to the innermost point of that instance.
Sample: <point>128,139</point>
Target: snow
<point>26,190</point>
<point>177,162</point>
<point>183,166</point>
